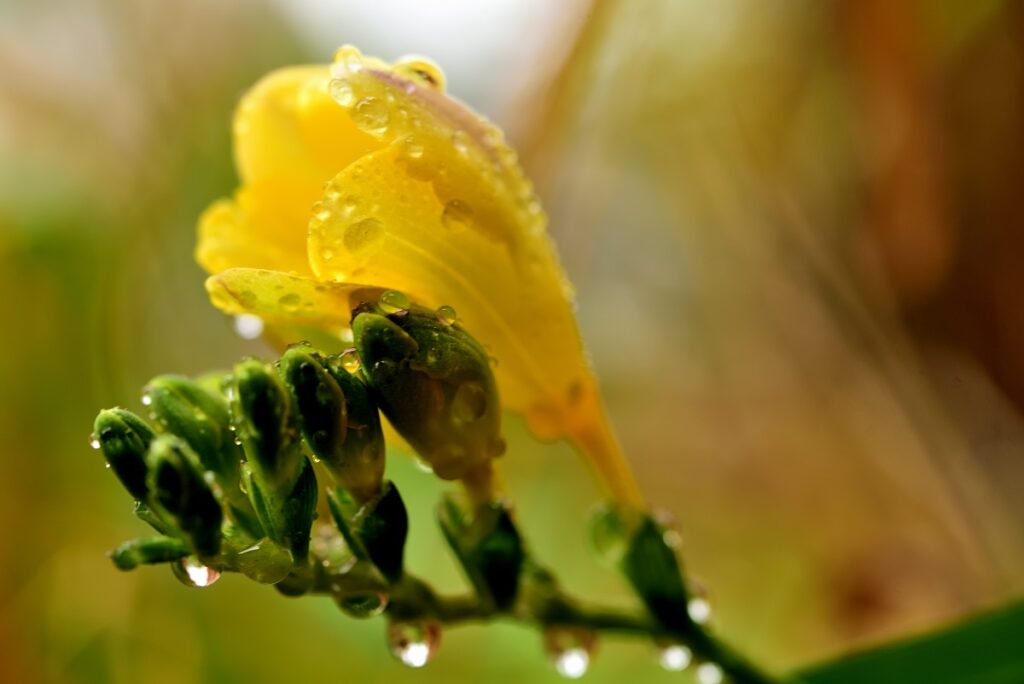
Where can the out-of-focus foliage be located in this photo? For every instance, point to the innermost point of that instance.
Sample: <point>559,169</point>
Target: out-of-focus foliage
<point>795,234</point>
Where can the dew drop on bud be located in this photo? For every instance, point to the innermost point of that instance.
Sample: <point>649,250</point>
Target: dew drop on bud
<point>350,360</point>
<point>414,643</point>
<point>709,673</point>
<point>675,657</point>
<point>699,610</point>
<point>611,533</point>
<point>364,606</point>
<point>447,315</point>
<point>570,649</point>
<point>192,573</point>
<point>248,326</point>
<point>94,441</point>
<point>394,301</point>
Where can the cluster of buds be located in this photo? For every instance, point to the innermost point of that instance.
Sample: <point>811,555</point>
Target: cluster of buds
<point>224,469</point>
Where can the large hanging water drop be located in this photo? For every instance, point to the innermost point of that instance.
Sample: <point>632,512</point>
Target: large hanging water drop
<point>570,649</point>
<point>675,657</point>
<point>709,673</point>
<point>414,643</point>
<point>248,326</point>
<point>192,573</point>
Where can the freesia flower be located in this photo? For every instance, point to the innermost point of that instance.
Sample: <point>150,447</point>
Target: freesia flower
<point>363,176</point>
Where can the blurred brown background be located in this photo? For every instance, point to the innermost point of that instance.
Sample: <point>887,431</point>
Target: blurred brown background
<point>796,231</point>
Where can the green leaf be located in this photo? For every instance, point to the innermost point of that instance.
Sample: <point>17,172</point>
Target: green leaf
<point>986,649</point>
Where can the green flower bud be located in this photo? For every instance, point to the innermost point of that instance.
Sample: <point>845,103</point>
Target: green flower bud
<point>178,488</point>
<point>278,478</point>
<point>124,439</point>
<point>338,419</point>
<point>488,547</point>
<point>264,425</point>
<point>148,551</point>
<point>359,466</point>
<point>184,408</point>
<point>433,381</point>
<point>641,548</point>
<point>375,530</point>
<point>198,414</point>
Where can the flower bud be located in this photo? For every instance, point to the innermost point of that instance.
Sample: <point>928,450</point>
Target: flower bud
<point>178,487</point>
<point>375,530</point>
<point>124,439</point>
<point>264,425</point>
<point>279,480</point>
<point>148,551</point>
<point>338,419</point>
<point>184,408</point>
<point>198,414</point>
<point>433,381</point>
<point>488,547</point>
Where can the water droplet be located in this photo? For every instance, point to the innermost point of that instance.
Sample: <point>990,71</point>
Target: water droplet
<point>699,610</point>
<point>341,92</point>
<point>147,399</point>
<point>461,142</point>
<point>447,315</point>
<point>371,114</point>
<point>350,360</point>
<point>364,606</point>
<point>414,643</point>
<point>248,326</point>
<point>290,302</point>
<point>394,301</point>
<point>422,71</point>
<point>570,650</point>
<point>611,532</point>
<point>411,148</point>
<point>362,236</point>
<point>469,403</point>
<point>423,466</point>
<point>675,657</point>
<point>457,214</point>
<point>709,673</point>
<point>192,573</point>
<point>346,58</point>
<point>264,562</point>
<point>94,441</point>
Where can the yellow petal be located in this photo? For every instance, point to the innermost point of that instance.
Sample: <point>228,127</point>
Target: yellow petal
<point>290,138</point>
<point>444,214</point>
<point>283,299</point>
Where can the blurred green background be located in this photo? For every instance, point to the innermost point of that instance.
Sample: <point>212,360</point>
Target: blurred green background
<point>797,234</point>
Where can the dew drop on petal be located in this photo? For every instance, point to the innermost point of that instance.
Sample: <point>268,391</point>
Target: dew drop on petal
<point>362,236</point>
<point>709,673</point>
<point>192,573</point>
<point>447,315</point>
<point>675,657</point>
<point>248,326</point>
<point>414,643</point>
<point>341,92</point>
<point>422,71</point>
<point>456,214</point>
<point>290,302</point>
<point>371,115</point>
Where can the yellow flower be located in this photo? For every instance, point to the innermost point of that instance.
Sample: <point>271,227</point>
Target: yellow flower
<point>364,176</point>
